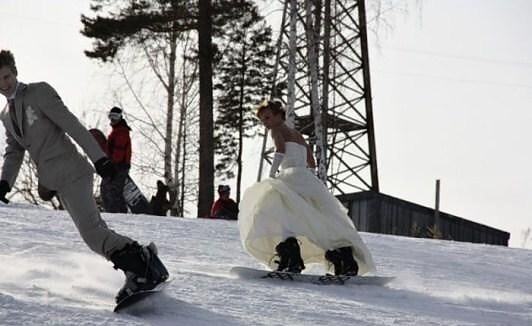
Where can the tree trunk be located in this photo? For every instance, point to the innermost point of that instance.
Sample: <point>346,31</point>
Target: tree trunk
<point>312,52</point>
<point>206,146</point>
<point>241,121</point>
<point>170,111</point>
<point>183,165</point>
<point>174,193</point>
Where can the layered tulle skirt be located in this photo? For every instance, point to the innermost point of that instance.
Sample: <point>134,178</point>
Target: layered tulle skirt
<point>298,204</point>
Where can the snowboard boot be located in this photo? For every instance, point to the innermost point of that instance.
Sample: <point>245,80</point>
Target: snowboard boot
<point>282,252</point>
<point>343,261</point>
<point>290,256</point>
<point>334,257</point>
<point>143,269</point>
<point>350,266</point>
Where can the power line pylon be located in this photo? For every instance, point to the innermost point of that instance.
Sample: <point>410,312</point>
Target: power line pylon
<point>322,74</point>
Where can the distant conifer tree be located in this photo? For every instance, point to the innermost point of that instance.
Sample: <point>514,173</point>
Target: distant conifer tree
<point>243,79</point>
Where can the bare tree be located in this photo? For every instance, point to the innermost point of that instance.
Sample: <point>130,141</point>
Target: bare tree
<point>135,88</point>
<point>188,120</point>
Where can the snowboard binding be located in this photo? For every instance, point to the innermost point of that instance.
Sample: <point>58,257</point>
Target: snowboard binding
<point>343,261</point>
<point>289,256</point>
<point>142,267</point>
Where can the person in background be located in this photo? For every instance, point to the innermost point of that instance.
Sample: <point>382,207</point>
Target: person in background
<point>36,120</point>
<point>224,207</point>
<point>160,205</point>
<point>119,151</point>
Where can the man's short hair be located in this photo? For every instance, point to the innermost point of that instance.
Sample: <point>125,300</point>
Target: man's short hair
<point>7,59</point>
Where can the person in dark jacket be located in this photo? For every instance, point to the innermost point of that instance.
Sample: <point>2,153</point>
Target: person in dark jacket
<point>119,151</point>
<point>159,203</point>
<point>224,207</point>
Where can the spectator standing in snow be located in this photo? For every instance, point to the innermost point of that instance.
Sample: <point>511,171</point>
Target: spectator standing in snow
<point>159,203</point>
<point>224,207</point>
<point>292,215</point>
<point>119,151</point>
<point>37,121</point>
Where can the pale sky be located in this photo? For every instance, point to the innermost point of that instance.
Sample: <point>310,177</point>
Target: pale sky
<point>452,96</point>
<point>452,101</point>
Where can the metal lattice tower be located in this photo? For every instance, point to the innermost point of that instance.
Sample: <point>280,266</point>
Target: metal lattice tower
<point>322,74</point>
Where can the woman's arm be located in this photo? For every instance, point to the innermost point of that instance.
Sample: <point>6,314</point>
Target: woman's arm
<point>311,163</point>
<point>278,156</point>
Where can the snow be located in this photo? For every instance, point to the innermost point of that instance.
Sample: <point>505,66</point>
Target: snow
<point>49,277</point>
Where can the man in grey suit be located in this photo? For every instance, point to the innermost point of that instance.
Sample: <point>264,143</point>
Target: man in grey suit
<point>36,120</point>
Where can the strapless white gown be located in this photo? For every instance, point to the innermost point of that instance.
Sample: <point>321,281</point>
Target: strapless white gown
<point>297,203</point>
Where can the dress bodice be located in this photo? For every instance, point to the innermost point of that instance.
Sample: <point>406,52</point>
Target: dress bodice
<point>295,155</point>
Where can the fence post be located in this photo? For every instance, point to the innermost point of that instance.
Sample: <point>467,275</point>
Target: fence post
<point>437,206</point>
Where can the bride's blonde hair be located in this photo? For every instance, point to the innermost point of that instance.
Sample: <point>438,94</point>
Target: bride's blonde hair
<point>275,105</point>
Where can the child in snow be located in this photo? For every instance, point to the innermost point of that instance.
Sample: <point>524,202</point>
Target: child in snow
<point>36,120</point>
<point>292,215</point>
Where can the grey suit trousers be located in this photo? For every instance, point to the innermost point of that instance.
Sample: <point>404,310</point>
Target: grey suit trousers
<point>78,200</point>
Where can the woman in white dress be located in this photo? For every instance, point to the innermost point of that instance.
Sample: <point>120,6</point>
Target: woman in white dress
<point>291,219</point>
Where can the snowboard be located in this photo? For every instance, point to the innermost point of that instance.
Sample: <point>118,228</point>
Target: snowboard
<point>135,199</point>
<point>252,273</point>
<point>139,296</point>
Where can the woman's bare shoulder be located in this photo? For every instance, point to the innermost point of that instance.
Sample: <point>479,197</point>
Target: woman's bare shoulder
<point>300,138</point>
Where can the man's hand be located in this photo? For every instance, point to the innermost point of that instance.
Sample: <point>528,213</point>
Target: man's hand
<point>105,168</point>
<point>4,189</point>
<point>45,193</point>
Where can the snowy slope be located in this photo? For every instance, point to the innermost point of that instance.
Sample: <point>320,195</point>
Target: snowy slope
<point>49,277</point>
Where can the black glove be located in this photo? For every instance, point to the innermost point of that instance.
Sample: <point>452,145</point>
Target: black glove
<point>105,168</point>
<point>45,193</point>
<point>4,189</point>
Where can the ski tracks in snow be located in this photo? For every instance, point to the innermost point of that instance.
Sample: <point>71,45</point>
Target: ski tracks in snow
<point>50,277</point>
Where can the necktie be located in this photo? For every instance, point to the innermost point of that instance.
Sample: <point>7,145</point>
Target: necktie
<point>13,114</point>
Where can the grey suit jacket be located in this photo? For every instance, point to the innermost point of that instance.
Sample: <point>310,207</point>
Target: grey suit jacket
<point>44,122</point>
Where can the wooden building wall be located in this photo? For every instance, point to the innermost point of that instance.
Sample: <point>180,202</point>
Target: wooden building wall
<point>380,213</point>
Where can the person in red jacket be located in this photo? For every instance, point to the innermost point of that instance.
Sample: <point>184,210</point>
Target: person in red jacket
<point>224,207</point>
<point>119,151</point>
